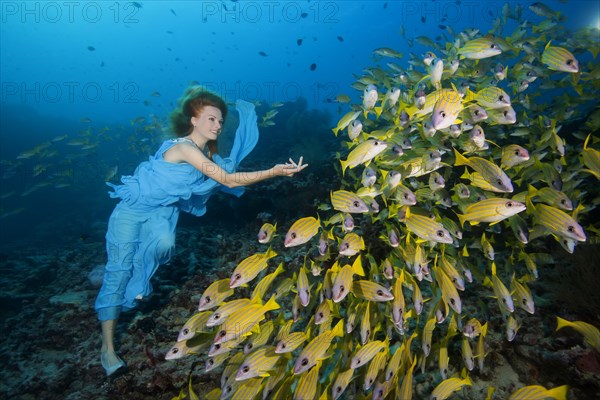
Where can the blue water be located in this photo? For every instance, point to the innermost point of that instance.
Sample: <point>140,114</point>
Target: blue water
<point>68,67</point>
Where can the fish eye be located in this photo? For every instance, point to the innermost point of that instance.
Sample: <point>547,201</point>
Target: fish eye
<point>452,301</point>
<point>210,361</point>
<point>342,289</point>
<point>283,345</point>
<point>228,388</point>
<point>440,233</point>
<point>499,181</point>
<point>356,203</point>
<point>504,301</point>
<point>492,46</point>
<point>509,204</point>
<point>569,61</point>
<point>380,292</point>
<point>250,346</point>
<point>476,112</point>
<point>175,350</point>
<point>304,362</point>
<point>571,228</point>
<point>186,331</point>
<point>207,299</point>
<point>293,235</point>
<point>505,113</point>
<point>321,315</point>
<point>358,361</point>
<point>222,333</point>
<point>501,97</point>
<point>376,143</point>
<point>245,369</point>
<point>517,152</point>
<point>238,276</point>
<point>524,301</point>
<point>563,201</point>
<point>443,114</point>
<point>217,346</point>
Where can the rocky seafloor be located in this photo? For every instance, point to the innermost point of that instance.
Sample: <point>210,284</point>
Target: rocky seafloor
<point>51,338</point>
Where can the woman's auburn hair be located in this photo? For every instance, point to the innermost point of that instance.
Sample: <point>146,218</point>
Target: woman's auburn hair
<point>189,105</point>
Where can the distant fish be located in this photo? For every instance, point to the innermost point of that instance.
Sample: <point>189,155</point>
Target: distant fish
<point>299,41</point>
<point>341,39</point>
<point>91,48</point>
<point>304,15</point>
<point>173,12</point>
<point>102,64</point>
<point>313,66</point>
<point>423,20</point>
<point>136,4</point>
<point>262,53</point>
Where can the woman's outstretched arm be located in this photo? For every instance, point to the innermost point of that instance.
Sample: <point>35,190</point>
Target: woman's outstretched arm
<point>185,152</point>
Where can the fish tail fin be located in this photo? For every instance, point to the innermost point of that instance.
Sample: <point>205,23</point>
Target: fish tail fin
<point>558,393</point>
<point>587,139</point>
<point>335,130</point>
<point>378,111</point>
<point>357,267</point>
<point>561,323</point>
<point>344,166</point>
<point>460,159</point>
<point>461,218</point>
<point>531,191</point>
<point>271,304</point>
<point>338,330</point>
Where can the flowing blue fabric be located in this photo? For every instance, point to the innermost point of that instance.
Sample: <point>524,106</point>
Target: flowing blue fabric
<point>141,229</point>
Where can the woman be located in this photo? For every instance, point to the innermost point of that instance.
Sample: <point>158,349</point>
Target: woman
<point>181,176</point>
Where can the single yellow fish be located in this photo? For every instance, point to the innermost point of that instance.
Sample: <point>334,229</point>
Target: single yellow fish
<point>302,231</point>
<point>250,267</point>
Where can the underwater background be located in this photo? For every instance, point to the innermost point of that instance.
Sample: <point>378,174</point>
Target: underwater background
<point>87,88</point>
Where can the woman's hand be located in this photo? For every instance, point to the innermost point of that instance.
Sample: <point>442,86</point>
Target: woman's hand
<point>289,168</point>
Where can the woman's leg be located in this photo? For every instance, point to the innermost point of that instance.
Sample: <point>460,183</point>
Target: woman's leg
<point>122,240</point>
<point>157,242</point>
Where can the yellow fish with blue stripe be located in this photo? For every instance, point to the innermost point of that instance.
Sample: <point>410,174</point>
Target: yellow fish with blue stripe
<point>537,392</point>
<point>449,386</point>
<point>250,267</point>
<point>215,294</point>
<point>345,201</point>
<point>446,109</point>
<point>366,353</point>
<point>479,48</point>
<point>491,210</point>
<point>258,363</point>
<point>589,331</point>
<point>557,221</point>
<point>363,153</point>
<point>559,59</point>
<point>315,350</point>
<point>302,231</point>
<point>427,228</point>
<point>492,173</point>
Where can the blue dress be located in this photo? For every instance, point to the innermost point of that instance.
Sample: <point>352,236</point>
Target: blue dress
<point>141,229</point>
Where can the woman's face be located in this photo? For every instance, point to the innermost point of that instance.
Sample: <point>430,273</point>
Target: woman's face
<point>208,123</point>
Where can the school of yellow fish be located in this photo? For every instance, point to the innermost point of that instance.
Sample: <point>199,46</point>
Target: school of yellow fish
<point>456,169</point>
